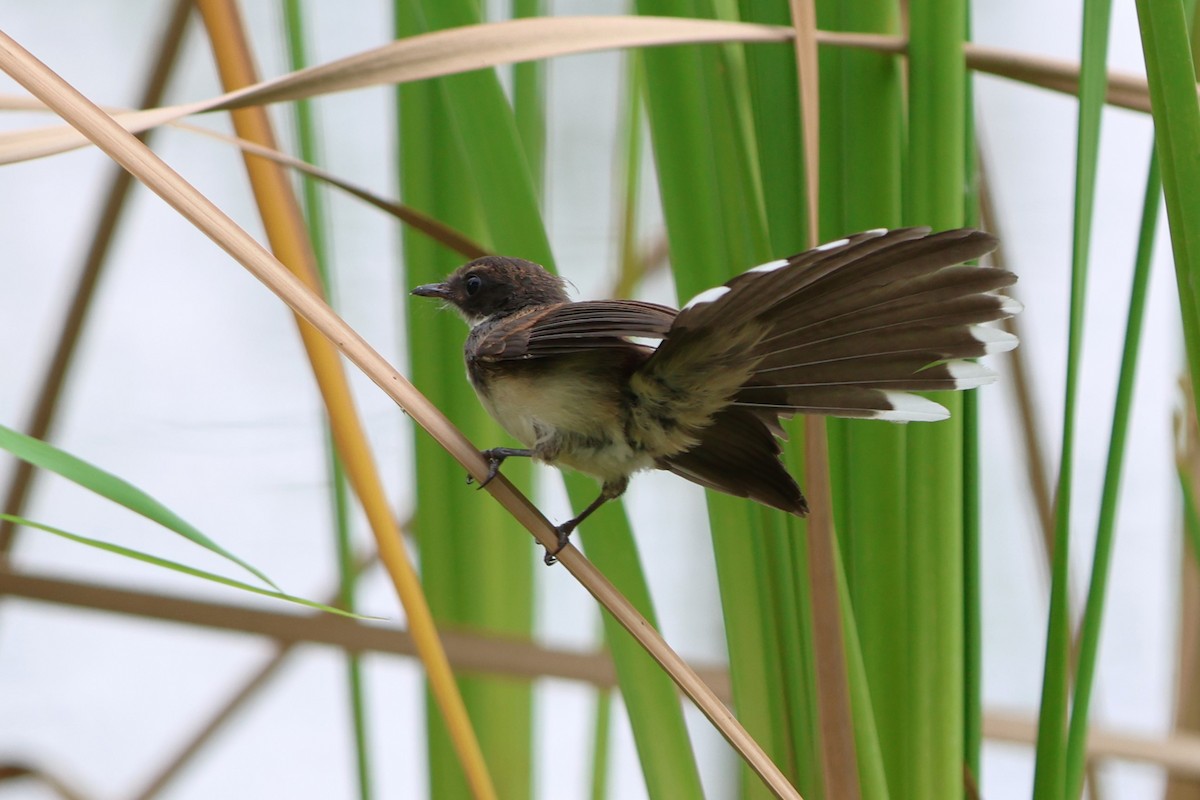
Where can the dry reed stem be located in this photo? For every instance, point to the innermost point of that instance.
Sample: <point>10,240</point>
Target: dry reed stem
<point>438,231</point>
<point>1186,708</point>
<point>1124,89</point>
<point>430,55</point>
<point>839,757</point>
<point>1186,711</point>
<point>258,679</point>
<point>1179,754</point>
<point>113,139</point>
<point>18,770</point>
<point>470,651</point>
<point>456,50</point>
<point>489,655</point>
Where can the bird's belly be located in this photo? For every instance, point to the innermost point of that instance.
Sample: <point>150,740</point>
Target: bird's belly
<point>567,420</point>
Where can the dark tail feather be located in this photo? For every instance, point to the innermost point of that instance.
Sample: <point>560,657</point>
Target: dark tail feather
<point>738,455</point>
<point>845,329</point>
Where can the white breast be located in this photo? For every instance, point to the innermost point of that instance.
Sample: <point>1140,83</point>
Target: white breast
<point>529,409</point>
<point>566,421</point>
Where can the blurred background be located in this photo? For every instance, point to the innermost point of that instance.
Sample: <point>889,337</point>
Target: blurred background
<point>190,382</point>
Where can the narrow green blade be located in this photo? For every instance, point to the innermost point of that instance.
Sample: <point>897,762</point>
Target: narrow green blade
<point>1050,780</point>
<point>1170,72</point>
<point>175,566</point>
<point>109,486</point>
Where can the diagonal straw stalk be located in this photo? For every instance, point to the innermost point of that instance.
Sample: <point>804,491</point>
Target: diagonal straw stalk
<point>472,47</point>
<point>122,147</point>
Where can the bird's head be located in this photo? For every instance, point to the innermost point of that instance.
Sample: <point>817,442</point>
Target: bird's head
<point>496,286</point>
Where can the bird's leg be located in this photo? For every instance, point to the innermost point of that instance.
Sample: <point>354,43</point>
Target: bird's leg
<point>495,457</point>
<point>610,491</point>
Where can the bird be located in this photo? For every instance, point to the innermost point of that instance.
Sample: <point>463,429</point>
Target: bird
<point>847,329</point>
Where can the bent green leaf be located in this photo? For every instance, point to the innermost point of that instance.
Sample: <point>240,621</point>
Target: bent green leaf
<point>109,486</point>
<point>137,555</point>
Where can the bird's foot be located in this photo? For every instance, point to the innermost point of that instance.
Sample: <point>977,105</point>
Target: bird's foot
<point>495,457</point>
<point>563,532</point>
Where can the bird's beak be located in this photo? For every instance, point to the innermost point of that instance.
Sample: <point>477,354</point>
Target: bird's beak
<point>432,290</point>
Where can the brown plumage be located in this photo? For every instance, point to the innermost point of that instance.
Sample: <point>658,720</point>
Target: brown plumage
<point>845,329</point>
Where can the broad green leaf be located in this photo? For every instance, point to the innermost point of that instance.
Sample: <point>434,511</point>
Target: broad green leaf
<point>934,195</point>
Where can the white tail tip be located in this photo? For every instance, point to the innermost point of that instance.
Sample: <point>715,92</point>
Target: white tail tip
<point>707,296</point>
<point>968,374</point>
<point>1011,306</point>
<point>912,408</point>
<point>993,340</point>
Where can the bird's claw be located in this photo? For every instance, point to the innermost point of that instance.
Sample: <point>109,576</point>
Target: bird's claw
<point>564,538</point>
<point>494,460</point>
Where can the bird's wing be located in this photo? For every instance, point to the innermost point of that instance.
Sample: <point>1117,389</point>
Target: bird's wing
<point>845,329</point>
<point>572,328</point>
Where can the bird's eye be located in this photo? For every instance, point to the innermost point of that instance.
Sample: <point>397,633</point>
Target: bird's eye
<point>474,284</point>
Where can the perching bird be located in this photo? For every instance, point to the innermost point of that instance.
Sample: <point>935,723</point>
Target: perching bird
<point>847,329</point>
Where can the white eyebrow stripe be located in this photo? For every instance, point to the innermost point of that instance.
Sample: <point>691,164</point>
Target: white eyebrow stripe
<point>831,245</point>
<point>770,266</point>
<point>707,296</point>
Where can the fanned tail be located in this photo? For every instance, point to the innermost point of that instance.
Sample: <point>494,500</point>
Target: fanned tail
<point>848,329</point>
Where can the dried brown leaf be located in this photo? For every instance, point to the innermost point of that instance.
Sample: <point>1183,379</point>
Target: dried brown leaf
<point>431,55</point>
